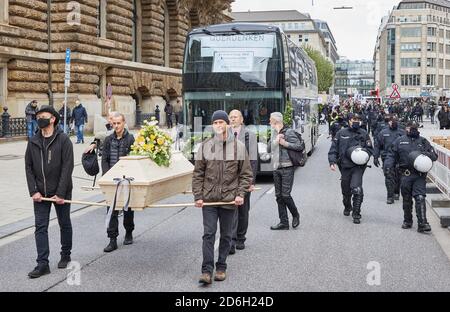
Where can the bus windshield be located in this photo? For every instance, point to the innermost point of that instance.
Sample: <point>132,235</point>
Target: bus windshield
<point>232,62</point>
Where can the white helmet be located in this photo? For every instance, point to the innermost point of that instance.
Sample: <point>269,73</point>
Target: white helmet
<point>421,163</point>
<point>359,156</point>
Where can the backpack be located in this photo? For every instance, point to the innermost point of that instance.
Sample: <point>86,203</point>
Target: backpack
<point>298,159</point>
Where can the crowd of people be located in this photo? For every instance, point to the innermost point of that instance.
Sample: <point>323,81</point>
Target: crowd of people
<point>225,172</point>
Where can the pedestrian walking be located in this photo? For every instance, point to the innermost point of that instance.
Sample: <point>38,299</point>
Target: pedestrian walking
<point>168,109</point>
<point>284,139</point>
<point>222,174</point>
<point>49,164</point>
<point>352,166</point>
<point>248,138</point>
<point>64,121</point>
<point>79,118</point>
<point>443,117</point>
<point>117,145</point>
<point>405,153</point>
<point>30,115</point>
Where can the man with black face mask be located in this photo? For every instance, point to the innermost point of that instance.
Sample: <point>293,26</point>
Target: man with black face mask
<point>340,155</point>
<point>49,166</point>
<point>383,143</point>
<point>413,182</point>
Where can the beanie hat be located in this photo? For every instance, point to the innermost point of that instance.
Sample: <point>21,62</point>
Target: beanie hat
<point>220,115</point>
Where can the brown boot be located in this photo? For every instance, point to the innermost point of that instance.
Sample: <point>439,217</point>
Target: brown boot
<point>205,279</point>
<point>220,276</point>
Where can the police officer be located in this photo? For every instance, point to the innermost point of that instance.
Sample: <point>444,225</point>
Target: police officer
<point>385,138</point>
<point>413,181</point>
<point>382,122</point>
<point>340,155</point>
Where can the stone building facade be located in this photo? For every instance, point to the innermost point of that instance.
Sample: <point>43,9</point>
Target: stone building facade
<point>137,46</point>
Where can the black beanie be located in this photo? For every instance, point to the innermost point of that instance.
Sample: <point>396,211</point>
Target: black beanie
<point>220,114</point>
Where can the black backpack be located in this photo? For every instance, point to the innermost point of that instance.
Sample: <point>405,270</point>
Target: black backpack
<point>298,159</point>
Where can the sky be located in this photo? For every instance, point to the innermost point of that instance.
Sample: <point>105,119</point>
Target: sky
<point>355,30</point>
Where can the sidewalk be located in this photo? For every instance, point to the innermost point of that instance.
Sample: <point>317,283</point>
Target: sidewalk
<point>16,207</point>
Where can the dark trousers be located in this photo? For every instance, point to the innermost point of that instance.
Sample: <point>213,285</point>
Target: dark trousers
<point>41,220</point>
<point>284,180</point>
<point>392,181</point>
<point>240,222</point>
<point>352,184</point>
<point>210,217</point>
<point>169,120</point>
<point>128,223</point>
<point>412,186</point>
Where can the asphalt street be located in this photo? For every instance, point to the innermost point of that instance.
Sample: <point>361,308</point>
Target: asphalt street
<point>326,253</point>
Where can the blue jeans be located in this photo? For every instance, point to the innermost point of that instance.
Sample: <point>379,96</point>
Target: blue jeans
<point>80,137</point>
<point>31,128</point>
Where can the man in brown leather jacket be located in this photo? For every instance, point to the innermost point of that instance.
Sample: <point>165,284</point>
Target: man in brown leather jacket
<point>222,174</point>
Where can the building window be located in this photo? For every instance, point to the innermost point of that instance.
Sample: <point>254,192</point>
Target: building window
<point>410,80</point>
<point>441,63</point>
<point>431,46</point>
<point>431,62</point>
<point>411,31</point>
<point>410,47</point>
<point>441,31</point>
<point>431,31</point>
<point>410,62</point>
<point>4,12</point>
<point>441,81</point>
<point>289,25</point>
<point>447,64</point>
<point>431,80</point>
<point>300,38</point>
<point>441,48</point>
<point>447,82</point>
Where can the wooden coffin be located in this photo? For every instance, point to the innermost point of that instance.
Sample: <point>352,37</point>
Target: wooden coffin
<point>151,183</point>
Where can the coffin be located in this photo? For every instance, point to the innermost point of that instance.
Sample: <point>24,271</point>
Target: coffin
<point>151,183</point>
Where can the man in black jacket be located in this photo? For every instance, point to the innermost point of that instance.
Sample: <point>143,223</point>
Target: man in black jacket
<point>118,145</point>
<point>49,166</point>
<point>248,138</point>
<point>413,182</point>
<point>383,143</point>
<point>352,173</point>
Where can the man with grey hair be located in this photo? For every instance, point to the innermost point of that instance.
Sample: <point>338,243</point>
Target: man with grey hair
<point>284,139</point>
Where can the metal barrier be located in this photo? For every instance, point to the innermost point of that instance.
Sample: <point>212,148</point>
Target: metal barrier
<point>440,173</point>
<point>12,127</point>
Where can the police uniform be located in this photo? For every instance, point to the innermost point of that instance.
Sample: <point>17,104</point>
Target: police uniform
<point>413,182</point>
<point>382,144</point>
<point>351,173</point>
<point>336,126</point>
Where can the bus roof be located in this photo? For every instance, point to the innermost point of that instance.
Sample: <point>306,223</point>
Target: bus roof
<point>233,27</point>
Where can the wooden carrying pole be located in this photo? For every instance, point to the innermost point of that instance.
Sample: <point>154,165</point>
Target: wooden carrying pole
<point>104,204</point>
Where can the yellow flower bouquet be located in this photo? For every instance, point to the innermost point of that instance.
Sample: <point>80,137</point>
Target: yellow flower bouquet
<point>151,141</point>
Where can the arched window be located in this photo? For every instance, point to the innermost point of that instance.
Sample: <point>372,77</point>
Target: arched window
<point>166,48</point>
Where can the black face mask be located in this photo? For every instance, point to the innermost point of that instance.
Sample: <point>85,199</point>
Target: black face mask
<point>43,122</point>
<point>356,125</point>
<point>413,133</point>
<point>108,127</point>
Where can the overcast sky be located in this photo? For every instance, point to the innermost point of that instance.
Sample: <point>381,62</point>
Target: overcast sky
<point>355,30</point>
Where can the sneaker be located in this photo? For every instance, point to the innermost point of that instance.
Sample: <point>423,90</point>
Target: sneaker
<point>356,221</point>
<point>205,279</point>
<point>220,276</point>
<point>39,271</point>
<point>406,225</point>
<point>424,228</point>
<point>279,227</point>
<point>65,260</point>
<point>295,221</point>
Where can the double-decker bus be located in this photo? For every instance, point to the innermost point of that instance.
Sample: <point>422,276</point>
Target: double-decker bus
<point>253,68</point>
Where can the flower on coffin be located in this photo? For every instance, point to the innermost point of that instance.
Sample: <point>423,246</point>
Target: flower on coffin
<point>153,143</point>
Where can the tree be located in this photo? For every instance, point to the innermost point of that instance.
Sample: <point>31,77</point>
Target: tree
<point>325,69</point>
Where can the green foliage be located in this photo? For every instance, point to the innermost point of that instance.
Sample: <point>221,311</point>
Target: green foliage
<point>325,69</point>
<point>288,114</point>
